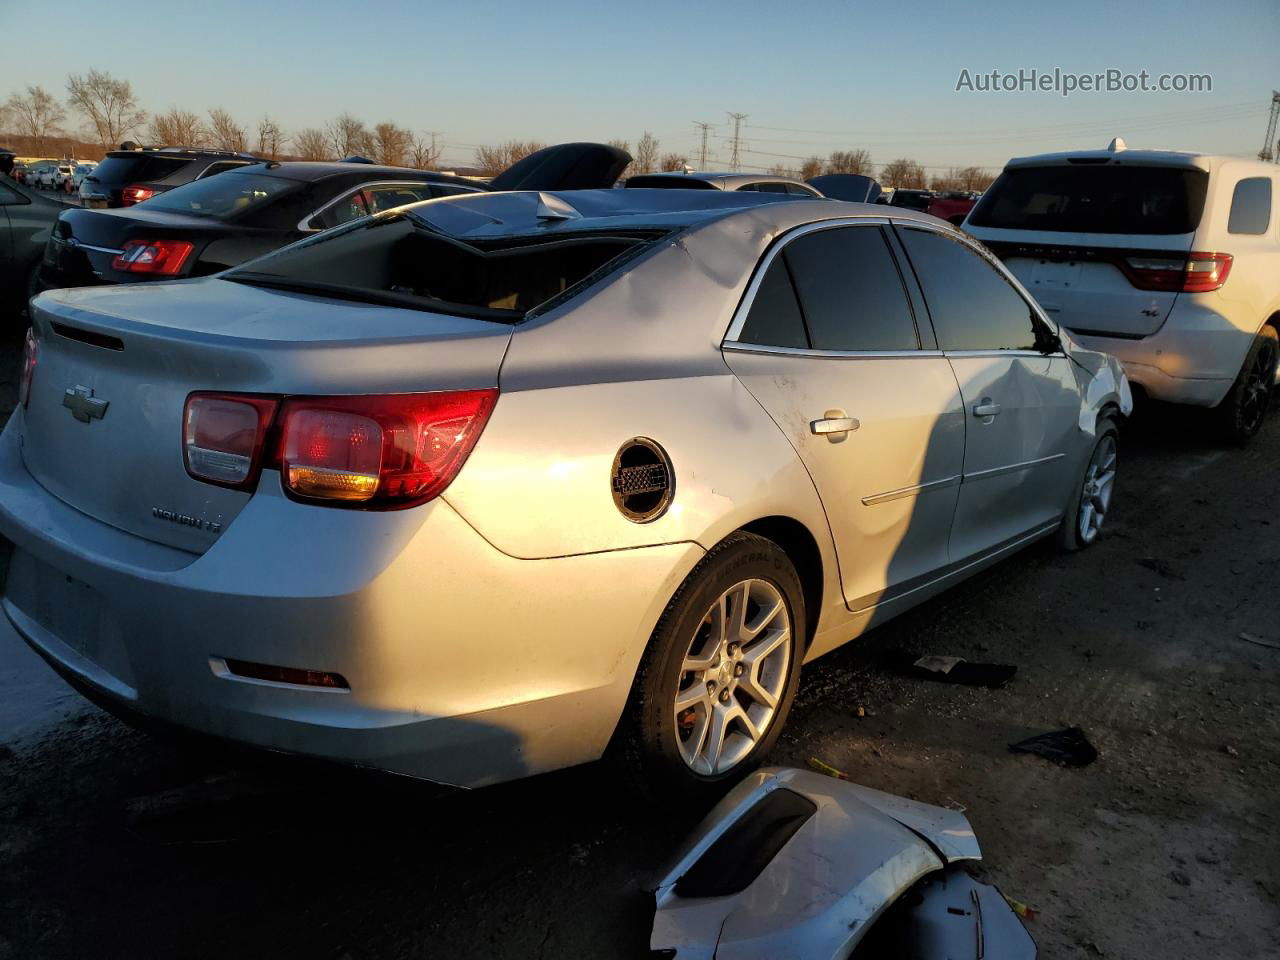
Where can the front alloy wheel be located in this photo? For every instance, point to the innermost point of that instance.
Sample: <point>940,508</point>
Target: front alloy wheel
<point>733,676</point>
<point>1099,484</point>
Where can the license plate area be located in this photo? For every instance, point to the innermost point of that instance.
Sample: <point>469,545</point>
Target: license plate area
<point>67,608</point>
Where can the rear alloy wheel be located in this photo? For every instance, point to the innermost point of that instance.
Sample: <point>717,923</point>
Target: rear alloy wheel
<point>1245,406</point>
<point>1089,509</point>
<point>721,670</point>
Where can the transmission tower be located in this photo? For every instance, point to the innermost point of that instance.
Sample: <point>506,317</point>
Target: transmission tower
<point>1269,145</point>
<point>736,143</point>
<point>705,128</point>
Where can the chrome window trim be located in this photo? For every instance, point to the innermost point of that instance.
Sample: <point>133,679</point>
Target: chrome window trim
<point>303,224</point>
<point>736,347</point>
<point>748,298</point>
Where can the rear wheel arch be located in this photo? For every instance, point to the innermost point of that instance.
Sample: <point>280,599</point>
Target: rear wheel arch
<point>801,547</point>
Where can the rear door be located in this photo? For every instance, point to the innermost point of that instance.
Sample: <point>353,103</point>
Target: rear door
<point>827,341</point>
<point>1094,243</point>
<point>1020,394</point>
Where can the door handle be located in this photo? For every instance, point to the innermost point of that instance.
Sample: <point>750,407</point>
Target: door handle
<point>835,425</point>
<point>986,408</point>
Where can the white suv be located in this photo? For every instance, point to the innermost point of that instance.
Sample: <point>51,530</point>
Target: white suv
<point>1169,261</point>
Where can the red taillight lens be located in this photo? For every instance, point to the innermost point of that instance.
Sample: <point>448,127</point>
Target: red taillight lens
<point>1197,273</point>
<point>135,194</point>
<point>162,258</point>
<point>223,436</point>
<point>382,452</point>
<point>30,355</point>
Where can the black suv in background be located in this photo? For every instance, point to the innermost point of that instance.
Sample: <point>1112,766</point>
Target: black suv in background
<point>126,177</point>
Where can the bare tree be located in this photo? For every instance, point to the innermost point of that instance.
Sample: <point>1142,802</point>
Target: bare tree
<point>850,161</point>
<point>37,115</point>
<point>177,128</point>
<point>974,178</point>
<point>782,170</point>
<point>312,144</point>
<point>672,162</point>
<point>646,155</point>
<point>107,103</point>
<point>903,172</point>
<point>270,138</point>
<point>493,160</point>
<point>225,133</point>
<point>391,144</point>
<point>810,168</point>
<point>348,136</point>
<point>423,153</point>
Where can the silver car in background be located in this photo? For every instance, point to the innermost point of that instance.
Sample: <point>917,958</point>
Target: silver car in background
<point>479,487</point>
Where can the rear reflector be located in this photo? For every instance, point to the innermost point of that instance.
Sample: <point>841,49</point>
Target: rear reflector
<point>292,675</point>
<point>223,435</point>
<point>30,356</point>
<point>382,452</point>
<point>161,258</point>
<point>135,194</point>
<point>1197,273</point>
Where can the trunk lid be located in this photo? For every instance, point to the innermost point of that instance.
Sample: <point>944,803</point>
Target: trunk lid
<point>1074,231</point>
<point>84,242</point>
<point>103,428</point>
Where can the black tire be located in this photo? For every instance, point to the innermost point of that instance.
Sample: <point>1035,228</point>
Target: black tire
<point>1071,536</point>
<point>647,744</point>
<point>1243,410</point>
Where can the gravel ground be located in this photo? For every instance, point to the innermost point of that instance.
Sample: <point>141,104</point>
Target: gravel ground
<point>117,844</point>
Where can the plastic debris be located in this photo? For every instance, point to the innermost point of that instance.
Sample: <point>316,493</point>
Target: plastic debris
<point>1021,909</point>
<point>830,771</point>
<point>1254,638</point>
<point>960,670</point>
<point>1069,747</point>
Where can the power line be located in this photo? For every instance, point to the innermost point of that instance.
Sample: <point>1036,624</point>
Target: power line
<point>702,152</point>
<point>734,159</point>
<point>1268,151</point>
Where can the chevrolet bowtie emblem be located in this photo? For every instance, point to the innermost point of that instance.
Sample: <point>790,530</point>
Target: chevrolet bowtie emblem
<point>83,405</point>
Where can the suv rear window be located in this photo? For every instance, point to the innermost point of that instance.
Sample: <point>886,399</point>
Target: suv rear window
<point>399,261</point>
<point>221,197</point>
<point>669,183</point>
<point>1095,199</point>
<point>142,168</point>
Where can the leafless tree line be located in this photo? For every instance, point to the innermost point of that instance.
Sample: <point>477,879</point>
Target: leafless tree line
<point>110,112</point>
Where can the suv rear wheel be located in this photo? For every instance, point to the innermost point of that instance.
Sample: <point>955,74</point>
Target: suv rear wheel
<point>1243,410</point>
<point>720,673</point>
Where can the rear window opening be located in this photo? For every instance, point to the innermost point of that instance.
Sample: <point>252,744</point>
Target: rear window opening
<point>646,182</point>
<point>138,168</point>
<point>400,262</point>
<point>1095,199</point>
<point>221,197</point>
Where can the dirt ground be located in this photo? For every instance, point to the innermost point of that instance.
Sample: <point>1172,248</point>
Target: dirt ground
<point>117,844</point>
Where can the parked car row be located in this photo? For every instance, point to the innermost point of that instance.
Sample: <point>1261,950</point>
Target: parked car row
<point>473,481</point>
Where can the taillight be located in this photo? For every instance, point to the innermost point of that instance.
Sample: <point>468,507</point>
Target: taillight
<point>373,452</point>
<point>1196,273</point>
<point>30,354</point>
<point>162,258</point>
<point>135,194</point>
<point>382,452</point>
<point>223,436</point>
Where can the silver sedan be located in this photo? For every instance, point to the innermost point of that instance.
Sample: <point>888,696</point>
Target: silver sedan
<point>485,486</point>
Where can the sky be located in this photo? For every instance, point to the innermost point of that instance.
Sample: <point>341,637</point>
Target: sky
<point>811,77</point>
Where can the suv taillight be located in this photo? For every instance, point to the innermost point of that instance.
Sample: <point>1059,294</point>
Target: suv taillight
<point>372,452</point>
<point>384,452</point>
<point>135,194</point>
<point>30,354</point>
<point>160,258</point>
<point>1197,273</point>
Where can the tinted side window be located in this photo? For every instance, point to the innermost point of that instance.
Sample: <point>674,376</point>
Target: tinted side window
<point>771,187</point>
<point>8,196</point>
<point>973,307</point>
<point>774,320</point>
<point>850,291</point>
<point>348,208</point>
<point>799,191</point>
<point>1251,206</point>
<point>451,189</point>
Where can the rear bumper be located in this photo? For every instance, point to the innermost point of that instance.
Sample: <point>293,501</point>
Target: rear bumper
<point>465,666</point>
<point>1193,359</point>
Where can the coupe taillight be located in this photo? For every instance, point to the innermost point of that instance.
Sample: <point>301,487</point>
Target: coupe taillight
<point>30,356</point>
<point>135,194</point>
<point>161,258</point>
<point>373,452</point>
<point>1196,273</point>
